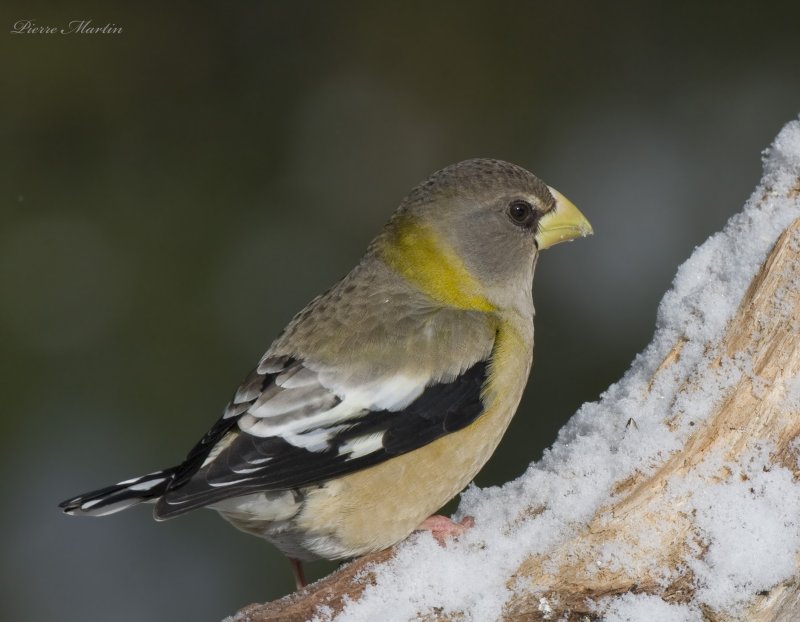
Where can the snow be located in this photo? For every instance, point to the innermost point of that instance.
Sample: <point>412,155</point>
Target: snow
<point>750,527</point>
<point>748,522</point>
<point>640,607</point>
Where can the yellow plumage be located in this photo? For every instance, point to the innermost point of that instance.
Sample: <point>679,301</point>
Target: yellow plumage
<point>419,254</point>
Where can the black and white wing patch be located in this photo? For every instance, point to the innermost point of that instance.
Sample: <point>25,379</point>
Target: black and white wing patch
<point>289,426</point>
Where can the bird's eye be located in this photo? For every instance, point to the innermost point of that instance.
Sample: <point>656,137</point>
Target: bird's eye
<point>522,213</point>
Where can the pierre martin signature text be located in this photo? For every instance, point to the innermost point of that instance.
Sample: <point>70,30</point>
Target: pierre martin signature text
<point>74,27</point>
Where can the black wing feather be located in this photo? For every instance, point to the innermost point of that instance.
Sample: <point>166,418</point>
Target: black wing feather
<point>186,470</point>
<point>441,409</point>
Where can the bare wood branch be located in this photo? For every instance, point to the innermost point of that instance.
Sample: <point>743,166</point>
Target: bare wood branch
<point>767,327</point>
<point>347,583</point>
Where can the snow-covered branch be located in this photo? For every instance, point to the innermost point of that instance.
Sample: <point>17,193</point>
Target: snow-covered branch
<point>673,498</point>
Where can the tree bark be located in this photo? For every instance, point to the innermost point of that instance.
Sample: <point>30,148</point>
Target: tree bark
<point>767,327</point>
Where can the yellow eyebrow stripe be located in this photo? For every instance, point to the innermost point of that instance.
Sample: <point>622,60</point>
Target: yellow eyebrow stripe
<point>422,257</point>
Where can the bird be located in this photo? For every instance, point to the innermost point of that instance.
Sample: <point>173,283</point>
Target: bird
<point>384,396</point>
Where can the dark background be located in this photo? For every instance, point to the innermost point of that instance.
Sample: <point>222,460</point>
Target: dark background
<point>171,195</point>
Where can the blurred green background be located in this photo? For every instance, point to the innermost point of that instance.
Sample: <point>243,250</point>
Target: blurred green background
<point>171,195</point>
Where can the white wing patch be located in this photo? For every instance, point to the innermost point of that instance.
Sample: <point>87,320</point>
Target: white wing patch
<point>308,409</point>
<point>392,393</point>
<point>362,445</point>
<point>315,439</point>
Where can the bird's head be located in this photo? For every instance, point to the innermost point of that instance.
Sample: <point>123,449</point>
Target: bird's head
<point>470,234</point>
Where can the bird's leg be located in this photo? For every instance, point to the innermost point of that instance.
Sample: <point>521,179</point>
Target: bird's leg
<point>442,527</point>
<point>297,573</point>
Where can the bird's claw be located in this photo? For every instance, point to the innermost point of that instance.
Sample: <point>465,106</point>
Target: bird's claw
<point>442,528</point>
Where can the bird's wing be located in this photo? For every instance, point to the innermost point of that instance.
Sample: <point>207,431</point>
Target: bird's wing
<point>290,426</point>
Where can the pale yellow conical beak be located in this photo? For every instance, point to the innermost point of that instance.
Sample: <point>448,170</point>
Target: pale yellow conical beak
<point>561,224</point>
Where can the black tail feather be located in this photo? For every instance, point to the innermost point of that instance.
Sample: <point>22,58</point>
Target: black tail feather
<point>120,496</point>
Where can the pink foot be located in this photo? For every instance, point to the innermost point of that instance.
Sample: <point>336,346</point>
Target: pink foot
<point>443,528</point>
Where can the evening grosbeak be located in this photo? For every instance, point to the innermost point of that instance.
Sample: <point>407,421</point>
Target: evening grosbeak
<point>384,397</point>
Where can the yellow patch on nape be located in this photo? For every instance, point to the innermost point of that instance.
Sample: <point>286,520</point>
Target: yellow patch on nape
<point>427,261</point>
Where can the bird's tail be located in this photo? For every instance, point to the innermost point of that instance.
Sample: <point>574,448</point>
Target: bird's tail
<point>120,496</point>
